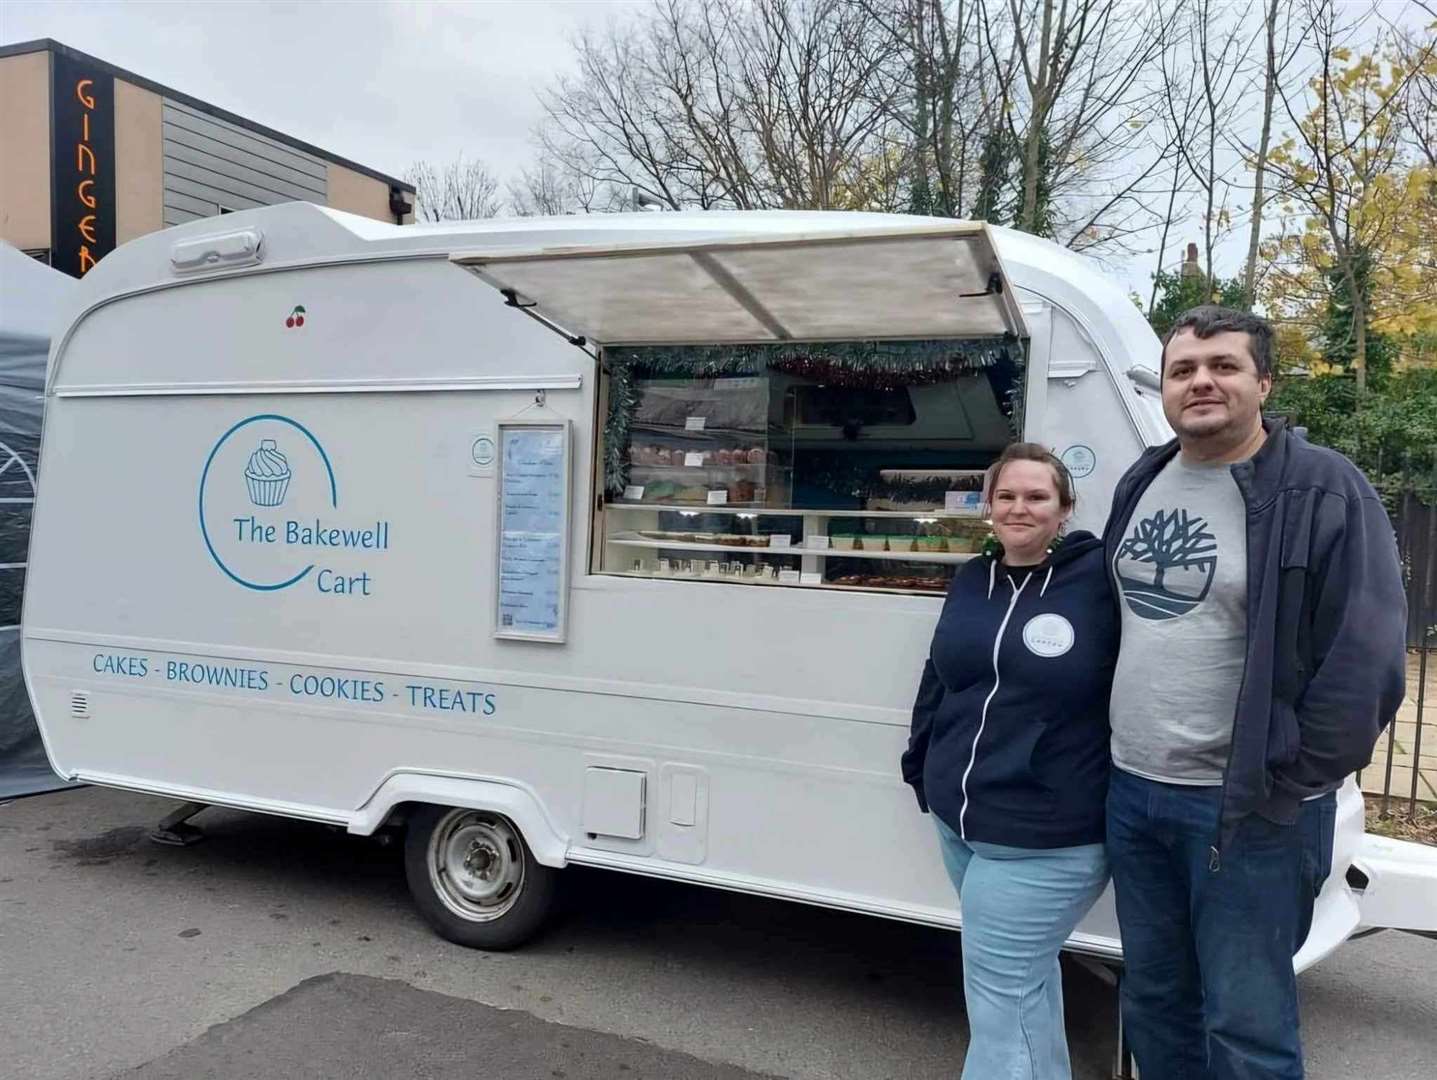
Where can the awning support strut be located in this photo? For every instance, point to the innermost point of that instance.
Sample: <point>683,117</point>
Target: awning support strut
<point>579,341</point>
<point>745,299</point>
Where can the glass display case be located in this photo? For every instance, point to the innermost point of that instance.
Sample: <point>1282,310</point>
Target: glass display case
<point>805,472</point>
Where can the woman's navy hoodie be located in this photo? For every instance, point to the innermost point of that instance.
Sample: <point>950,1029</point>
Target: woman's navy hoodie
<point>1010,729</point>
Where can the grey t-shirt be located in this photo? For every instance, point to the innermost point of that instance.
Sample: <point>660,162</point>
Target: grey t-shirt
<point>1182,578</point>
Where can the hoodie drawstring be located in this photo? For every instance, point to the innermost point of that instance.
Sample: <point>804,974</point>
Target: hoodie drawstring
<point>993,578</point>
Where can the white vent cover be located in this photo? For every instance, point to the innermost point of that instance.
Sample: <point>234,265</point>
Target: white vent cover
<point>209,252</point>
<point>80,704</point>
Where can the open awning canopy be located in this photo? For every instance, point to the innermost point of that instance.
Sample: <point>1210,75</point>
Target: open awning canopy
<point>867,283</point>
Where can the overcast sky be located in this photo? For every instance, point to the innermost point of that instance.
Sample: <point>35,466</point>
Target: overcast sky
<point>383,83</point>
<point>389,82</point>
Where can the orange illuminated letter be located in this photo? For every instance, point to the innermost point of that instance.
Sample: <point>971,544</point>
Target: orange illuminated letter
<point>87,228</point>
<point>85,99</point>
<point>84,192</point>
<point>86,259</point>
<point>81,150</point>
<point>86,120</point>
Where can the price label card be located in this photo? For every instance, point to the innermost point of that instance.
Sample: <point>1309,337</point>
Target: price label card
<point>789,577</point>
<point>810,579</point>
<point>634,493</point>
<point>694,458</point>
<point>780,540</point>
<point>957,501</point>
<point>818,543</point>
<point>717,498</point>
<point>693,423</point>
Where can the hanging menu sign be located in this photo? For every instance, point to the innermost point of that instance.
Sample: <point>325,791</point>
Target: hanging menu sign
<point>533,530</point>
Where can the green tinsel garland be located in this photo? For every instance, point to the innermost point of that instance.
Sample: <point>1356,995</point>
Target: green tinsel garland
<point>875,364</point>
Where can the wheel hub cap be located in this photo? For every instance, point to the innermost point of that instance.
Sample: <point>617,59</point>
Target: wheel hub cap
<point>475,864</point>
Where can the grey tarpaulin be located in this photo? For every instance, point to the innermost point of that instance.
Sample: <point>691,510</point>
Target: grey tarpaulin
<point>31,297</point>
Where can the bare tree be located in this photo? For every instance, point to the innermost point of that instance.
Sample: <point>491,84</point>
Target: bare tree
<point>549,189</point>
<point>1420,107</point>
<point>1036,112</point>
<point>942,110</point>
<point>1219,52</point>
<point>724,103</point>
<point>818,88</point>
<point>462,190</point>
<point>1179,119</point>
<point>1281,49</point>
<point>1078,111</point>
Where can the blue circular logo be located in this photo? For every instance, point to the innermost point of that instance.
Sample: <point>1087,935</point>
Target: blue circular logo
<point>1080,460</point>
<point>257,467</point>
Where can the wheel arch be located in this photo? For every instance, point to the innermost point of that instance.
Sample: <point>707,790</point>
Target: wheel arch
<point>516,802</point>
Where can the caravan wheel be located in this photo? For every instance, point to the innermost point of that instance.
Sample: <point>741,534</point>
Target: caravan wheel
<point>474,878</point>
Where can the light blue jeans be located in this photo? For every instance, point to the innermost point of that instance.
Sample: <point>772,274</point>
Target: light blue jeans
<point>1019,905</point>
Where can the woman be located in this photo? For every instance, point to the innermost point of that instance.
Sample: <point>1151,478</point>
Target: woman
<point>1010,750</point>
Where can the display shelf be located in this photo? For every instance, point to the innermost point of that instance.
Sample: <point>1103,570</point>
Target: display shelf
<point>635,540</point>
<point>683,431</point>
<point>695,471</point>
<point>949,557</point>
<point>936,593</point>
<point>768,511</point>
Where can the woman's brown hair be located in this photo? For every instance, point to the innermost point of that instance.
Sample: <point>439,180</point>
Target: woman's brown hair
<point>1030,451</point>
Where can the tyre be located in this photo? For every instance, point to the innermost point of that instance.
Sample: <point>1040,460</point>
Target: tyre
<point>474,879</point>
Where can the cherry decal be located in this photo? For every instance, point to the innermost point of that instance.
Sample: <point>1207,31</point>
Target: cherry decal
<point>295,317</point>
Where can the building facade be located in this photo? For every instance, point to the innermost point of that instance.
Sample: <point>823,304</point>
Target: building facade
<point>92,155</point>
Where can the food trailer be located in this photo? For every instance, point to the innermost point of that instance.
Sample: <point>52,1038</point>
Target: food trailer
<point>614,541</point>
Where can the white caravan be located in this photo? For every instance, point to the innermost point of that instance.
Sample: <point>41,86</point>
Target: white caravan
<point>615,541</point>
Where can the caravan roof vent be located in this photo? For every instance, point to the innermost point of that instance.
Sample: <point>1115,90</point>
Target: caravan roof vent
<point>226,250</point>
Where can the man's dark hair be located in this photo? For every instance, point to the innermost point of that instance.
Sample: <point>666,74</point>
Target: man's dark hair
<point>1210,319</point>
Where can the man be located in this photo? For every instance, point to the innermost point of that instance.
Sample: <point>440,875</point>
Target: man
<point>1263,633</point>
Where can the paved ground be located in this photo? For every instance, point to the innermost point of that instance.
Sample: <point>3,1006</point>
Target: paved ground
<point>345,1026</point>
<point>1408,745</point>
<point>280,950</point>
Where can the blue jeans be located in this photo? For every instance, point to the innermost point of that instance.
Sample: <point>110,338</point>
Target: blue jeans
<point>1019,905</point>
<point>1208,987</point>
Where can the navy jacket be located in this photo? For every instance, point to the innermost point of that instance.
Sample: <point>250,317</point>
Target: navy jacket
<point>1010,730</point>
<point>1326,624</point>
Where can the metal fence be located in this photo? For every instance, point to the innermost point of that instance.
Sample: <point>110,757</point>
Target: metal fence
<point>1403,769</point>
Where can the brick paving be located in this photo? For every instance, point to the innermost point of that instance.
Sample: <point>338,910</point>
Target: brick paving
<point>1408,745</point>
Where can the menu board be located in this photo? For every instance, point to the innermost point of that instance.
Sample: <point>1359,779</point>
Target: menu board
<point>533,530</point>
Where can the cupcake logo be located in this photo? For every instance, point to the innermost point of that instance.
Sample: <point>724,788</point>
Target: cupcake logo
<point>270,517</point>
<point>267,475</point>
<point>263,463</point>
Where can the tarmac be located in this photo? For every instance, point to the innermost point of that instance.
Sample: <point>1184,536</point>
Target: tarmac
<point>277,949</point>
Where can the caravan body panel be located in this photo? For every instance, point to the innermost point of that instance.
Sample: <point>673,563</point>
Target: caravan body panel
<point>262,571</point>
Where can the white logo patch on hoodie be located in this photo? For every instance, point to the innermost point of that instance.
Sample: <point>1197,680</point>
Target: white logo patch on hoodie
<point>1048,635</point>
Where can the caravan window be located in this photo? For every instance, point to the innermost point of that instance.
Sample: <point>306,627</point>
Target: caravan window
<point>850,407</point>
<point>845,466</point>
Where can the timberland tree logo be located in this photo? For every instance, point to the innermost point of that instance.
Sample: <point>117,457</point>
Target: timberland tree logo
<point>1167,565</point>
